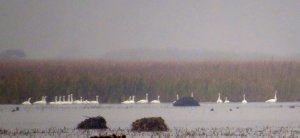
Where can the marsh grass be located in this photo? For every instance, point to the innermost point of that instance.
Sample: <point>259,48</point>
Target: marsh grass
<point>116,81</point>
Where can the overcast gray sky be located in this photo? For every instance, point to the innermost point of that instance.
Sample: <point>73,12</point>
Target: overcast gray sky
<point>90,28</point>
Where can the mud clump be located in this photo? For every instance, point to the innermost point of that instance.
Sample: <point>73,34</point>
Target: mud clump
<point>149,124</point>
<point>110,136</point>
<point>93,123</point>
<point>186,101</point>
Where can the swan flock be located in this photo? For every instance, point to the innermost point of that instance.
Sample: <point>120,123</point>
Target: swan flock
<point>61,100</point>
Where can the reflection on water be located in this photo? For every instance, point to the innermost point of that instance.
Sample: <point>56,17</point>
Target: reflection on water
<point>121,116</point>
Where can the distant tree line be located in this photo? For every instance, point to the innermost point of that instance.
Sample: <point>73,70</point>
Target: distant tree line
<point>116,81</point>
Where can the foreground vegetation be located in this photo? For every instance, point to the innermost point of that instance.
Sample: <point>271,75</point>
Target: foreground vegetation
<point>266,131</point>
<point>116,81</point>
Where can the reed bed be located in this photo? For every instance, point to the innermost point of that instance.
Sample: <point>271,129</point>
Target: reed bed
<point>115,81</point>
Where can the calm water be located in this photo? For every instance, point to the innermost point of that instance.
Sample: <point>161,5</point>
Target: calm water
<point>121,116</point>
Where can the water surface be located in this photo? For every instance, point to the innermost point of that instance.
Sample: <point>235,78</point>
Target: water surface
<point>235,115</point>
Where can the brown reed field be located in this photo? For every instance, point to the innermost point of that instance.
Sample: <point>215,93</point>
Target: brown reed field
<point>115,81</point>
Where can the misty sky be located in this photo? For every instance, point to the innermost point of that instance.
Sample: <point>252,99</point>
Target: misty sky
<point>89,29</point>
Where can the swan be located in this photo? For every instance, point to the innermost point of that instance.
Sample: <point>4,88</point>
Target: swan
<point>78,101</point>
<point>71,97</point>
<point>244,100</point>
<point>156,101</point>
<point>59,100</point>
<point>27,102</point>
<point>43,101</point>
<point>86,102</point>
<point>143,100</point>
<point>62,100</point>
<point>127,101</point>
<point>95,102</point>
<point>55,101</point>
<point>131,101</point>
<point>69,101</point>
<point>226,100</point>
<point>272,100</point>
<point>219,99</point>
<point>177,98</point>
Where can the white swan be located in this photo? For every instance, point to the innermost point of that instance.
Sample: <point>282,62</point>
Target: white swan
<point>131,101</point>
<point>55,101</point>
<point>244,100</point>
<point>70,99</point>
<point>43,101</point>
<point>226,100</point>
<point>127,101</point>
<point>272,100</point>
<point>177,98</point>
<point>78,101</point>
<point>59,100</point>
<point>86,102</point>
<point>27,102</point>
<point>62,100</point>
<point>219,99</point>
<point>143,100</point>
<point>95,102</point>
<point>156,101</point>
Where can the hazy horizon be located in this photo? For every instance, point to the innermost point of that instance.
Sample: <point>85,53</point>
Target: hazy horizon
<point>182,29</point>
